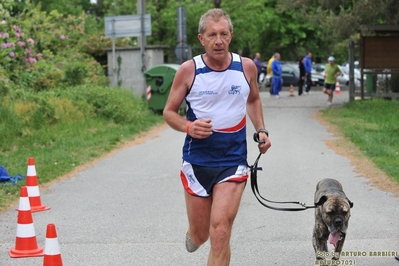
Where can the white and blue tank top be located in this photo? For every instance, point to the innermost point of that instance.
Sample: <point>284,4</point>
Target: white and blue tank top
<point>220,96</point>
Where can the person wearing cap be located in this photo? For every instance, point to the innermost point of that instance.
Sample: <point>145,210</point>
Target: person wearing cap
<point>331,73</point>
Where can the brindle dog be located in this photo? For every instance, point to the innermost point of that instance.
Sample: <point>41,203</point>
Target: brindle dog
<point>332,216</point>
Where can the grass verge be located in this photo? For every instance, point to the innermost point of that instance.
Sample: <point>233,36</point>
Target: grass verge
<point>64,130</point>
<point>373,127</point>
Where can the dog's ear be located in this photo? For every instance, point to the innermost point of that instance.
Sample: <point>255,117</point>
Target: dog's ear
<point>350,203</point>
<point>321,201</point>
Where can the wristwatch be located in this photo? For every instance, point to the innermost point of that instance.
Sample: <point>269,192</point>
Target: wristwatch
<point>264,131</point>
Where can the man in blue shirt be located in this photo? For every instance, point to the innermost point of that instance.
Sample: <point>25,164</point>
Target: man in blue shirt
<point>277,82</point>
<point>308,69</point>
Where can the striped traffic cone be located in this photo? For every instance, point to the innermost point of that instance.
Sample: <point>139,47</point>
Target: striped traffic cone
<point>52,255</point>
<point>337,88</point>
<point>292,90</point>
<point>25,243</point>
<point>33,188</point>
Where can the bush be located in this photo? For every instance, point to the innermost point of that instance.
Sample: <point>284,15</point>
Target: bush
<point>75,73</point>
<point>24,113</point>
<point>46,51</point>
<point>113,103</point>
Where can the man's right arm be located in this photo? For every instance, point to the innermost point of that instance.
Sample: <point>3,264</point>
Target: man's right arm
<point>178,91</point>
<point>180,86</point>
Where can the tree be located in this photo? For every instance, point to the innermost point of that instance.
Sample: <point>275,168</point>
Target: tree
<point>340,20</point>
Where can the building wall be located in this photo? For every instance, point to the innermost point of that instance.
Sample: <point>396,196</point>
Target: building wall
<point>129,73</point>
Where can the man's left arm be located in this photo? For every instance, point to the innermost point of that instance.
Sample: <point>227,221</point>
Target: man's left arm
<point>254,104</point>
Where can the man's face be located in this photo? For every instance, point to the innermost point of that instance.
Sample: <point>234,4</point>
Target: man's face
<point>216,38</point>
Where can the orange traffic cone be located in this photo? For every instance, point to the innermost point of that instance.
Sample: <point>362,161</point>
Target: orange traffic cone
<point>291,90</point>
<point>33,188</point>
<point>25,244</point>
<point>52,255</point>
<point>337,88</point>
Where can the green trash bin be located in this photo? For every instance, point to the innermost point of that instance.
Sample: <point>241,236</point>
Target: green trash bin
<point>370,83</point>
<point>159,81</point>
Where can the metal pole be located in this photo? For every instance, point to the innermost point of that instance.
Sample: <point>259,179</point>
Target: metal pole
<point>142,38</point>
<point>113,53</point>
<point>351,71</point>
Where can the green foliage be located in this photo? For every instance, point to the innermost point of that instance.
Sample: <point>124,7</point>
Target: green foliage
<point>117,105</point>
<point>18,49</point>
<point>6,84</point>
<point>338,22</point>
<point>65,128</point>
<point>43,51</point>
<point>5,8</point>
<point>75,73</point>
<point>24,113</point>
<point>372,126</point>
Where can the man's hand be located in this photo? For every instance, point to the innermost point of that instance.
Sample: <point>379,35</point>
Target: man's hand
<point>200,129</point>
<point>264,142</point>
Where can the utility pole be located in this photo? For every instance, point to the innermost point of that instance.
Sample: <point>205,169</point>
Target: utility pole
<point>141,40</point>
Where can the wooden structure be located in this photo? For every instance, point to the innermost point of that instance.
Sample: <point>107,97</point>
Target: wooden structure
<point>378,64</point>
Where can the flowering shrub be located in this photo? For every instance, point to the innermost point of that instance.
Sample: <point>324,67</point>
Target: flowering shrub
<point>42,51</point>
<point>17,49</point>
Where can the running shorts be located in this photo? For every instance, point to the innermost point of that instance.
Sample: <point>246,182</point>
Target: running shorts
<point>199,180</point>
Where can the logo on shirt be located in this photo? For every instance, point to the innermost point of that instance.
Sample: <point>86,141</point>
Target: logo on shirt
<point>207,93</point>
<point>235,89</point>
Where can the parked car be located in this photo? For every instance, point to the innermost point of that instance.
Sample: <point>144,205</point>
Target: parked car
<point>317,78</point>
<point>290,74</point>
<point>344,77</point>
<point>356,64</point>
<point>264,78</point>
<point>319,67</point>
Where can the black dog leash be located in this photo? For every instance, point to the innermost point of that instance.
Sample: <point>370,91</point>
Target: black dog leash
<point>254,186</point>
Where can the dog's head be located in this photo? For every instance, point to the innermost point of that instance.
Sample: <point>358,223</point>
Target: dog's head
<point>335,212</point>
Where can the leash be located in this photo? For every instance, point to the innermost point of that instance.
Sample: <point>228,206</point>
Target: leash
<point>254,186</point>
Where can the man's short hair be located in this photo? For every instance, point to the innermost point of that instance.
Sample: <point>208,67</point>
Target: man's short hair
<point>214,14</point>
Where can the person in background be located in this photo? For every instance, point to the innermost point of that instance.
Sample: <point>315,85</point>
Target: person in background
<point>302,75</point>
<point>308,69</point>
<point>270,73</point>
<point>332,71</point>
<point>277,82</point>
<point>221,90</point>
<point>258,65</point>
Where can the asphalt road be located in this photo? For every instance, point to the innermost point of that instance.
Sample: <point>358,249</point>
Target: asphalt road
<point>128,208</point>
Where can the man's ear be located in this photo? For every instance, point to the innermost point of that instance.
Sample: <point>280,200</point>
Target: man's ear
<point>199,36</point>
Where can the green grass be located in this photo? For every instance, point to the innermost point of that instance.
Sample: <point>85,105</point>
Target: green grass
<point>60,136</point>
<point>373,126</point>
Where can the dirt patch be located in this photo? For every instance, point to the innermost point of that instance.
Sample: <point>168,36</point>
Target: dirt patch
<point>363,166</point>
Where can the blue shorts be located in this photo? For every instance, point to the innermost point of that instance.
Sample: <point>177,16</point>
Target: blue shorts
<point>199,180</point>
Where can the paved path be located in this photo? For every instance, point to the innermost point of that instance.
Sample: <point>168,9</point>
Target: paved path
<point>128,208</point>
